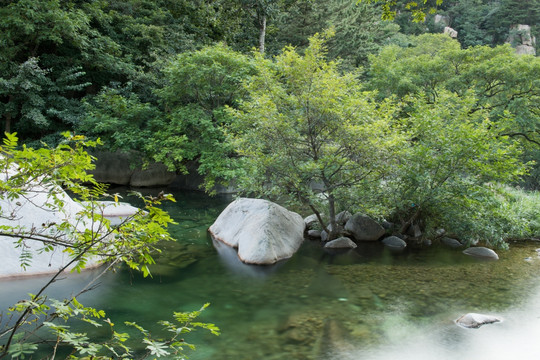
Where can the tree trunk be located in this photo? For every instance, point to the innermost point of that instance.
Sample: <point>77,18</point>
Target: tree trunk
<point>318,215</point>
<point>262,33</point>
<point>7,123</point>
<point>8,118</point>
<point>333,231</point>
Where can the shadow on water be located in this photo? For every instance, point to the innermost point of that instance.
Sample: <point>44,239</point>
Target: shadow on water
<point>228,256</point>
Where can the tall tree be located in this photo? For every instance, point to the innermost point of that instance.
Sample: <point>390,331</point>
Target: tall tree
<point>310,134</point>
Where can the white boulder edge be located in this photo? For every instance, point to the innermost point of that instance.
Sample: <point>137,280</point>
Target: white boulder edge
<point>474,320</point>
<point>30,212</point>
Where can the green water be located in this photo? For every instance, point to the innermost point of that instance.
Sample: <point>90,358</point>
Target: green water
<point>364,304</point>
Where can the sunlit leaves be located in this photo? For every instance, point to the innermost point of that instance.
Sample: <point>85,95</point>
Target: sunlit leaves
<point>88,235</point>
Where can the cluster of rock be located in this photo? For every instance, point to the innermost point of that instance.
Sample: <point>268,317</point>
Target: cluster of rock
<point>443,21</point>
<point>361,228</point>
<point>118,168</point>
<point>264,233</point>
<point>354,228</point>
<point>521,39</point>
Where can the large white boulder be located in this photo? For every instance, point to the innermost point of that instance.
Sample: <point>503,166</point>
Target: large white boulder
<point>262,231</point>
<point>32,214</point>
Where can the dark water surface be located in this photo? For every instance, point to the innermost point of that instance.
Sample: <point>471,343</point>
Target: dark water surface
<point>364,304</point>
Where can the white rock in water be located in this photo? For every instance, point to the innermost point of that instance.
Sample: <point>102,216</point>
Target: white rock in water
<point>31,214</point>
<point>481,253</point>
<point>262,231</point>
<point>473,320</point>
<point>340,243</point>
<point>116,212</point>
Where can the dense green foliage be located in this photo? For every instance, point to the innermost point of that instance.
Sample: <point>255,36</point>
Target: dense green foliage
<point>506,86</point>
<point>309,133</point>
<point>377,116</point>
<point>153,78</point>
<point>199,86</point>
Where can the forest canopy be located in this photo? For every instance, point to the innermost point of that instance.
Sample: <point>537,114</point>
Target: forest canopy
<point>185,82</point>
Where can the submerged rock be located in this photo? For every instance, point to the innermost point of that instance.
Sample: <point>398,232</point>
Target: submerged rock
<point>341,243</point>
<point>394,243</point>
<point>336,341</point>
<point>262,231</point>
<point>451,243</point>
<point>474,321</point>
<point>481,253</point>
<point>364,228</point>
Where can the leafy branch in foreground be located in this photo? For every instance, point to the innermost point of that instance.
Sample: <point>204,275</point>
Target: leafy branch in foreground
<point>33,185</point>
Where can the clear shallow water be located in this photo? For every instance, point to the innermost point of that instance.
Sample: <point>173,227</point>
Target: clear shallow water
<point>367,304</point>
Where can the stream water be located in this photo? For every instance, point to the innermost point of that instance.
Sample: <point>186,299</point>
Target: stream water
<point>363,304</point>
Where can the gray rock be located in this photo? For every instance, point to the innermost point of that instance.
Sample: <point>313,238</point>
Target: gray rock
<point>156,174</point>
<point>394,243</point>
<point>311,221</point>
<point>118,168</point>
<point>520,34</point>
<point>525,50</point>
<point>341,243</point>
<point>481,252</point>
<point>450,32</point>
<point>451,243</point>
<point>262,231</point>
<point>521,39</point>
<point>363,228</point>
<point>387,224</point>
<point>474,321</point>
<point>414,231</point>
<point>193,181</point>
<point>112,168</point>
<point>314,233</point>
<point>442,20</point>
<point>32,213</point>
<point>116,212</point>
<point>343,217</point>
<point>324,235</point>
